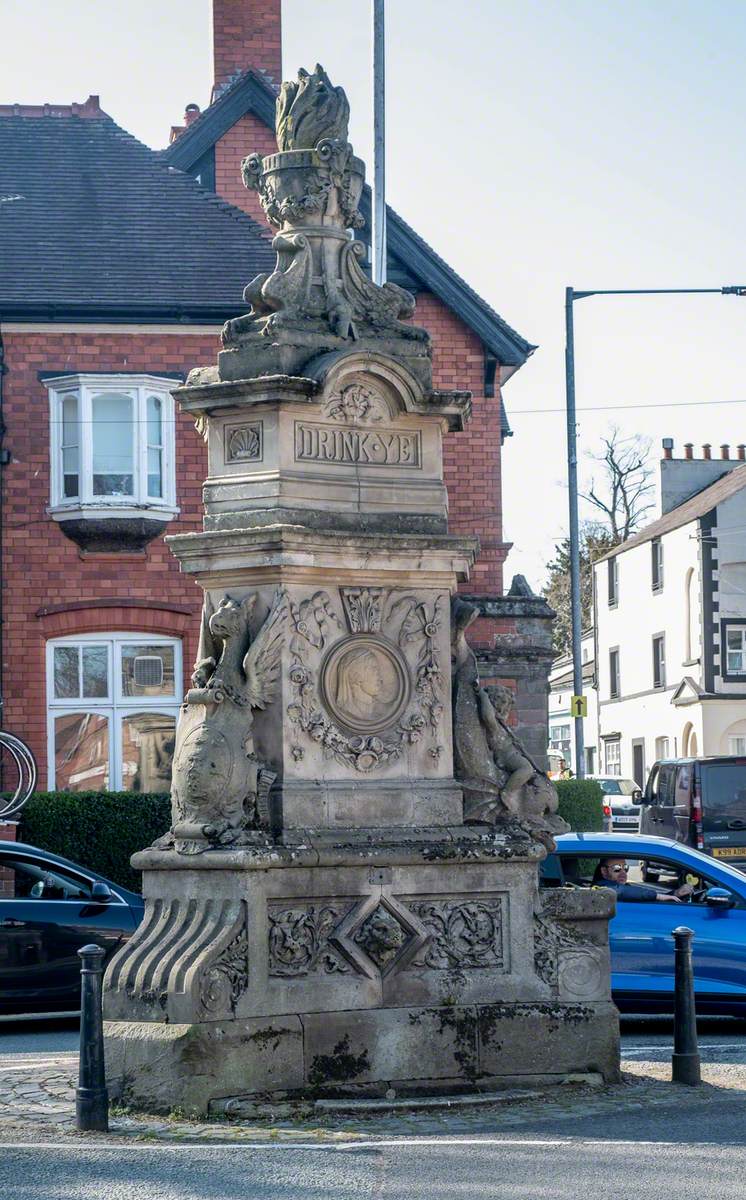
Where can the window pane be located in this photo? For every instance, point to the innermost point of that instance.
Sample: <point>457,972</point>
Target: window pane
<point>735,639</point>
<point>155,410</point>
<point>155,472</point>
<point>70,450</point>
<point>113,470</point>
<point>81,752</point>
<point>95,672</point>
<point>66,680</point>
<point>148,670</point>
<point>147,752</point>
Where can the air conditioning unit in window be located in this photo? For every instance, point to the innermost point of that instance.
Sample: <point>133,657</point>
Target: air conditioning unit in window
<point>148,670</point>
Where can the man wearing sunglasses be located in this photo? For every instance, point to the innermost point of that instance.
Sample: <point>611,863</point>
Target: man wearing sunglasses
<point>613,872</point>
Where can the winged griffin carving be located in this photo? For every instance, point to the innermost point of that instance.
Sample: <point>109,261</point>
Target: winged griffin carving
<point>219,788</point>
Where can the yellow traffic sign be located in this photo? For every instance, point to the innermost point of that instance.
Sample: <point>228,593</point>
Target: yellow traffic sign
<point>578,706</point>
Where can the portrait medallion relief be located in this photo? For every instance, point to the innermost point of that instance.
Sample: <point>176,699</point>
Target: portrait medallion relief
<point>364,683</point>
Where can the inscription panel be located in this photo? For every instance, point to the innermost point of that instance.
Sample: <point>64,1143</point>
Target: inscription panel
<point>349,446</point>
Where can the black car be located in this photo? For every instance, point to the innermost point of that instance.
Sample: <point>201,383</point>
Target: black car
<point>700,802</point>
<point>49,908</point>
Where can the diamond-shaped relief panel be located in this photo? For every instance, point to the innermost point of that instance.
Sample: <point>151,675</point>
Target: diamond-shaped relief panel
<point>380,936</point>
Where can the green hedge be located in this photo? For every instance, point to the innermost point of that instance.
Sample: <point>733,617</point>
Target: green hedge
<point>99,830</point>
<point>581,804</point>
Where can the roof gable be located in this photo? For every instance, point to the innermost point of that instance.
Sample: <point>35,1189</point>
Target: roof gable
<point>250,93</point>
<point>696,506</point>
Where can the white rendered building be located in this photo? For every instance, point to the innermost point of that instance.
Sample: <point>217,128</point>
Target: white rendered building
<point>670,622</point>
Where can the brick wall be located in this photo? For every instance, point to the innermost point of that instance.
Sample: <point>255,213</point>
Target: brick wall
<point>43,570</point>
<point>246,33</point>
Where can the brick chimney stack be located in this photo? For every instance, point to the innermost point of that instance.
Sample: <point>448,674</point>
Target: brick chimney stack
<point>246,34</point>
<point>684,477</point>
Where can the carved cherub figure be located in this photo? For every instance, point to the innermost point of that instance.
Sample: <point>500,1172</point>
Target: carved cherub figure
<point>500,780</point>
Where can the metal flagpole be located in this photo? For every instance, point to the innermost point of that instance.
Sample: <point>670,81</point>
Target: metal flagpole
<point>379,144</point>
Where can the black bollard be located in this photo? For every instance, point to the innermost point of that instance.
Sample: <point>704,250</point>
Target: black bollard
<point>685,1058</point>
<point>91,1096</point>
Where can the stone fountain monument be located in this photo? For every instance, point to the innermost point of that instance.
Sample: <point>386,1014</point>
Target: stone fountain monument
<point>347,900</point>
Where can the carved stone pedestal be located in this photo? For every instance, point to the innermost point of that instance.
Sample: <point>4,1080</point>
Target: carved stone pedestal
<point>348,896</point>
<point>426,962</point>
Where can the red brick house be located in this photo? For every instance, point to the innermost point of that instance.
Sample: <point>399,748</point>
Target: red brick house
<point>120,265</point>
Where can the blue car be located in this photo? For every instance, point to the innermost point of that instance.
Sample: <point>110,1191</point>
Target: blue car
<point>642,948</point>
<point>49,908</point>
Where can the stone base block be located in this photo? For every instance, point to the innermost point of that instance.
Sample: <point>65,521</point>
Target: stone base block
<point>160,1067</point>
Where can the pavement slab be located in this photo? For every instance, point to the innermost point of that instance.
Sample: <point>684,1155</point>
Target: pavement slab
<point>45,1096</point>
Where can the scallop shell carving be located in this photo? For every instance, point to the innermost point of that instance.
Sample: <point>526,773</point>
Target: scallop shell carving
<point>244,443</point>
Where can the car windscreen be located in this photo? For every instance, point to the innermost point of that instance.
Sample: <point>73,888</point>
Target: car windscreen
<point>723,793</point>
<point>617,787</point>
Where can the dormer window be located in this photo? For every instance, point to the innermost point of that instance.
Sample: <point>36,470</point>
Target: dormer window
<point>112,458</point>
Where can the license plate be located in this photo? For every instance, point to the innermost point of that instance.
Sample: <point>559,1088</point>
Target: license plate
<point>729,851</point>
<point>625,820</point>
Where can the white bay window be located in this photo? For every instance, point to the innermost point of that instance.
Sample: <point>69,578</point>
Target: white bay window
<point>112,455</point>
<point>112,704</point>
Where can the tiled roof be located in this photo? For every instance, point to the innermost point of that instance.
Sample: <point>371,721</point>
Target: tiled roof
<point>696,506</point>
<point>92,221</point>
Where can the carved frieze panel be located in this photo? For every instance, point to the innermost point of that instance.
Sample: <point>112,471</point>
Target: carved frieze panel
<point>351,446</point>
<point>464,933</point>
<point>299,935</point>
<point>376,691</point>
<point>243,443</point>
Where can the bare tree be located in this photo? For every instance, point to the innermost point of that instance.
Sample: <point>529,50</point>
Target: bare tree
<point>625,491</point>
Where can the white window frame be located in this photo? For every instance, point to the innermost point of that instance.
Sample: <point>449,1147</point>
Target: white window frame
<point>662,748</point>
<point>138,388</point>
<point>741,668</point>
<point>737,744</point>
<point>114,707</point>
<point>659,660</point>
<point>615,692</point>
<point>656,565</point>
<point>613,766</point>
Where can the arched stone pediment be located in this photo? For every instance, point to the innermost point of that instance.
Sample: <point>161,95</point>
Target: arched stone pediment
<point>363,386</point>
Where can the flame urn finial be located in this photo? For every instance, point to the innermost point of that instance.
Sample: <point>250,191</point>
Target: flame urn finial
<point>309,111</point>
<point>318,298</point>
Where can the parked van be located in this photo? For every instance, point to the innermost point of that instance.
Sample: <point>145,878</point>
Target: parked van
<point>700,802</point>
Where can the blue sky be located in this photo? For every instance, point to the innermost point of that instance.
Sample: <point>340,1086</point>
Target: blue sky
<point>535,144</point>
